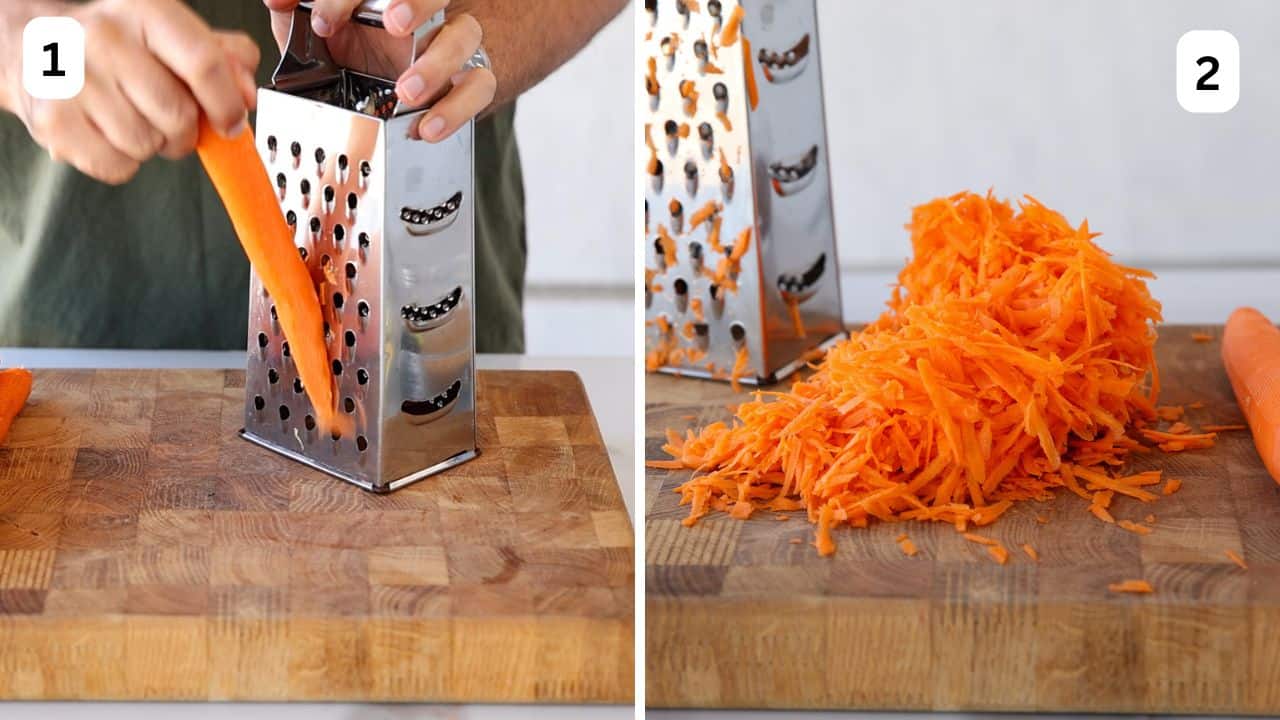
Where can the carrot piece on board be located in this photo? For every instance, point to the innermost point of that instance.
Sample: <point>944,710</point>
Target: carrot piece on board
<point>1251,354</point>
<point>753,88</point>
<point>1202,337</point>
<point>237,172</point>
<point>908,548</point>
<point>15,389</point>
<point>1134,527</point>
<point>1171,413</point>
<point>1031,553</point>
<point>980,539</point>
<point>999,552</point>
<point>1172,486</point>
<point>1132,586</point>
<point>1235,558</point>
<point>1102,514</point>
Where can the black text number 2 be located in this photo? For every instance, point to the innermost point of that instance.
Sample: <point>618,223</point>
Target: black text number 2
<point>1203,83</point>
<point>54,70</point>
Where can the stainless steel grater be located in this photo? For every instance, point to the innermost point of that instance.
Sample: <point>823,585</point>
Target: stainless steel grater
<point>385,223</point>
<point>740,238</point>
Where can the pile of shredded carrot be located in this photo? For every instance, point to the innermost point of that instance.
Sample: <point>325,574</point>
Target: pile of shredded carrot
<point>1015,358</point>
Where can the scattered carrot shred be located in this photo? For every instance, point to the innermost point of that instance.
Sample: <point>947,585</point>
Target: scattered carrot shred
<point>1134,527</point>
<point>1014,361</point>
<point>1197,405</point>
<point>1171,413</point>
<point>1102,514</point>
<point>1231,554</point>
<point>1150,519</point>
<point>908,548</point>
<point>1172,486</point>
<point>1223,428</point>
<point>998,552</point>
<point>981,539</point>
<point>1031,553</point>
<point>1202,337</point>
<point>1179,428</point>
<point>1131,586</point>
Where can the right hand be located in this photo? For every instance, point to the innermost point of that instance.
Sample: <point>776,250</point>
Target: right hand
<point>152,68</point>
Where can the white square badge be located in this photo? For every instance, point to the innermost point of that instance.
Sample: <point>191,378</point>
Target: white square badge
<point>1208,73</point>
<point>53,58</point>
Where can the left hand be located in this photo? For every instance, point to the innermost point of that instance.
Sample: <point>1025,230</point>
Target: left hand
<point>438,74</point>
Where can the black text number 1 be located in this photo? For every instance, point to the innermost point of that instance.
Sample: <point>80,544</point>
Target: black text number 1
<point>54,70</point>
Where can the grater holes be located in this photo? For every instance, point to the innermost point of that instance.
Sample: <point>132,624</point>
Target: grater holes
<point>336,434</point>
<point>363,308</point>
<point>315,226</point>
<point>303,253</point>
<point>351,271</point>
<point>282,184</point>
<point>284,412</point>
<point>337,367</point>
<point>350,339</point>
<point>362,376</point>
<point>273,377</point>
<point>295,149</point>
<point>738,332</point>
<point>263,340</point>
<point>291,217</point>
<point>364,241</point>
<point>338,301</point>
<point>309,422</point>
<point>362,443</point>
<point>319,161</point>
<point>349,405</point>
<point>297,386</point>
<point>365,169</point>
<point>352,202</point>
<point>275,314</point>
<point>329,195</point>
<point>339,234</point>
<point>272,145</point>
<point>259,403</point>
<point>284,348</point>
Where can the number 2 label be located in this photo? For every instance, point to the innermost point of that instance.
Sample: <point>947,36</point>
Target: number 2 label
<point>1208,71</point>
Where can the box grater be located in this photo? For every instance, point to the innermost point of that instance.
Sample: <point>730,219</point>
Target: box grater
<point>385,223</point>
<point>741,271</point>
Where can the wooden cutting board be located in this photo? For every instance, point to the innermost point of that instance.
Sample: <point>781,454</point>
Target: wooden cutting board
<point>739,617</point>
<point>147,552</point>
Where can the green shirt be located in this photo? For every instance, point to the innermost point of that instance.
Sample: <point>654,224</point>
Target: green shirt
<point>155,264</point>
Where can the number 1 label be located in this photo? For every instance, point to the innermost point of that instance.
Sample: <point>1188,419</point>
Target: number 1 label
<point>1208,71</point>
<point>53,58</point>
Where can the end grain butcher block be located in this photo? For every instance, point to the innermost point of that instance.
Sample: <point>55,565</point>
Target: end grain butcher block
<point>147,552</point>
<point>738,616</point>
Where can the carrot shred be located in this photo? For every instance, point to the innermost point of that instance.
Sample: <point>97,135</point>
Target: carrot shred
<point>1172,486</point>
<point>1171,413</point>
<point>1134,527</point>
<point>908,548</point>
<point>980,539</point>
<point>1231,554</point>
<point>1131,586</point>
<point>1031,553</point>
<point>1202,337</point>
<point>998,552</point>
<point>1013,362</point>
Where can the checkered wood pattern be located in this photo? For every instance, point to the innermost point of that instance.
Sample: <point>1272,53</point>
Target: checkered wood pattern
<point>147,552</point>
<point>739,616</point>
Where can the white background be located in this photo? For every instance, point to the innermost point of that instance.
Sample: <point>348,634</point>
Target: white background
<point>1072,102</point>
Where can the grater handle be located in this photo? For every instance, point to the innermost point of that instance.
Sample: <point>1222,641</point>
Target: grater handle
<point>306,61</point>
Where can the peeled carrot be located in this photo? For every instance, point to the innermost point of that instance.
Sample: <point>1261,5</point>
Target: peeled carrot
<point>15,388</point>
<point>1013,350</point>
<point>242,182</point>
<point>732,26</point>
<point>1251,353</point>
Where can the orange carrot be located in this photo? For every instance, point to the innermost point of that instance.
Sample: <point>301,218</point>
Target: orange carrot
<point>237,172</point>
<point>748,64</point>
<point>732,27</point>
<point>1172,486</point>
<point>1201,337</point>
<point>15,389</point>
<point>1031,553</point>
<point>739,368</point>
<point>1131,586</point>
<point>1001,364</point>
<point>908,548</point>
<point>1134,527</point>
<point>998,552</point>
<point>1172,413</point>
<point>980,539</point>
<point>1251,353</point>
<point>1231,555</point>
<point>1223,428</point>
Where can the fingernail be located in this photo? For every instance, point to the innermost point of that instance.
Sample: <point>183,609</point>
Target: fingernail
<point>321,26</point>
<point>399,18</point>
<point>238,129</point>
<point>433,128</point>
<point>412,87</point>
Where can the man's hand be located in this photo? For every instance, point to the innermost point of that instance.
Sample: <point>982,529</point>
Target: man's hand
<point>438,74</point>
<point>151,68</point>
